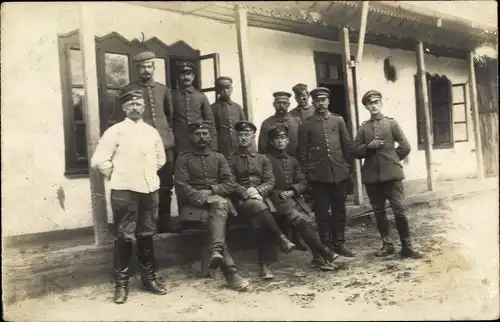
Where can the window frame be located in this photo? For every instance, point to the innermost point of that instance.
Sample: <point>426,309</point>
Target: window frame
<point>465,104</point>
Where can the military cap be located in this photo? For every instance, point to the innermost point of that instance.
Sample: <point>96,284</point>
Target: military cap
<point>299,88</point>
<point>371,94</point>
<point>245,126</point>
<point>281,94</point>
<point>277,129</point>
<point>200,125</point>
<point>223,81</point>
<point>320,91</point>
<point>145,55</point>
<point>131,95</point>
<point>186,65</point>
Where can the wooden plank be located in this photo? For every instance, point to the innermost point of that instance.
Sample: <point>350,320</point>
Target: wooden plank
<point>244,56</point>
<point>349,84</point>
<point>92,122</point>
<point>424,98</point>
<point>475,115</point>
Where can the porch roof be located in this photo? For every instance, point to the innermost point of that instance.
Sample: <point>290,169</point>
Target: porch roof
<point>390,23</point>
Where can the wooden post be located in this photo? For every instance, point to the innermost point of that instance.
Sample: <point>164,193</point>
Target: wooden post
<point>92,121</point>
<point>243,55</point>
<point>344,39</point>
<point>362,30</point>
<point>424,98</point>
<point>475,116</point>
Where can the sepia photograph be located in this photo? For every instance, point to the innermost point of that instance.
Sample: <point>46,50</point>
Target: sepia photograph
<point>250,161</point>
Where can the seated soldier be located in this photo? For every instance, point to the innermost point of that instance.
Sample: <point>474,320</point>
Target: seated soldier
<point>203,181</point>
<point>254,178</point>
<point>286,196</point>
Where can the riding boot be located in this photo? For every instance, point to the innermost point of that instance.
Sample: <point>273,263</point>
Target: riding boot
<point>403,228</point>
<point>267,252</point>
<point>300,244</point>
<point>234,280</point>
<point>313,241</point>
<point>383,228</point>
<point>339,241</point>
<point>122,253</point>
<point>145,254</point>
<point>217,229</point>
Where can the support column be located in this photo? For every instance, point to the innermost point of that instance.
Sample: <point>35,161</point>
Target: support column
<point>475,116</point>
<point>243,56</point>
<point>424,98</point>
<point>344,39</point>
<point>92,121</point>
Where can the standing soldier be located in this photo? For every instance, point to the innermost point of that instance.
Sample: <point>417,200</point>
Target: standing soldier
<point>281,105</point>
<point>226,113</point>
<point>190,106</point>
<point>255,180</point>
<point>324,154</point>
<point>129,154</point>
<point>383,173</point>
<point>286,196</point>
<point>157,113</point>
<point>304,109</point>
<point>203,183</point>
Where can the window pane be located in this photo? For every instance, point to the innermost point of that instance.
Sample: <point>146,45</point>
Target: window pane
<point>160,73</point>
<point>113,108</point>
<point>458,94</point>
<point>460,132</point>
<point>321,70</point>
<point>442,133</point>
<point>80,141</point>
<point>333,71</point>
<point>77,94</point>
<point>441,112</point>
<point>117,73</point>
<point>207,73</point>
<point>459,113</point>
<point>76,67</point>
<point>211,96</point>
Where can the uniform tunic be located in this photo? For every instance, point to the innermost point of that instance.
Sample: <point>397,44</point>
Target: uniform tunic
<point>301,113</point>
<point>291,121</point>
<point>190,106</point>
<point>226,114</point>
<point>196,171</point>
<point>382,164</point>
<point>324,149</point>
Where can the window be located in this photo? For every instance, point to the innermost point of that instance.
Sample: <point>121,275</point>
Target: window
<point>114,70</point>
<point>447,111</point>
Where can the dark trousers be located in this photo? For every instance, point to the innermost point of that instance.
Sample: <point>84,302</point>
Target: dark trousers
<point>393,191</point>
<point>166,175</point>
<point>330,210</point>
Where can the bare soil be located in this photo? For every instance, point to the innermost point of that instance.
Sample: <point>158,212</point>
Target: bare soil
<point>457,279</point>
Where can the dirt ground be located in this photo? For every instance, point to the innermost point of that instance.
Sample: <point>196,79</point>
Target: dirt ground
<point>457,279</point>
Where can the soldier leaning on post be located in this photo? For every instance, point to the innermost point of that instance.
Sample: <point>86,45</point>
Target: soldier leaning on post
<point>254,180</point>
<point>190,106</point>
<point>130,153</point>
<point>382,172</point>
<point>324,155</point>
<point>226,114</point>
<point>157,113</point>
<point>287,198</point>
<point>203,183</point>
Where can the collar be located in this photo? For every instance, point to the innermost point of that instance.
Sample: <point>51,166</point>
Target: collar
<point>151,82</point>
<point>245,152</point>
<point>282,117</point>
<point>129,121</point>
<point>279,154</point>
<point>379,116</point>
<point>206,151</point>
<point>322,117</point>
<point>308,107</point>
<point>189,89</point>
<point>224,103</point>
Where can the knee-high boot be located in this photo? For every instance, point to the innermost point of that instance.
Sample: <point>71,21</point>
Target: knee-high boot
<point>122,253</point>
<point>145,254</point>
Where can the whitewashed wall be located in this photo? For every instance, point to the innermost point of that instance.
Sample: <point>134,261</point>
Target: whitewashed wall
<point>32,120</point>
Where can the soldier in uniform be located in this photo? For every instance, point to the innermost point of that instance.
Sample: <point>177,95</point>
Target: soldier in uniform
<point>324,155</point>
<point>129,154</point>
<point>382,172</point>
<point>304,109</point>
<point>157,113</point>
<point>287,198</point>
<point>203,183</point>
<point>190,106</point>
<point>226,113</point>
<point>281,105</point>
<point>254,178</point>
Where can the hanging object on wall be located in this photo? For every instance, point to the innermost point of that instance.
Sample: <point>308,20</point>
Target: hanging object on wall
<point>389,70</point>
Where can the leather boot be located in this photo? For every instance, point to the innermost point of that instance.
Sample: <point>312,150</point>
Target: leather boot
<point>313,241</point>
<point>146,258</point>
<point>164,211</point>
<point>387,248</point>
<point>286,246</point>
<point>340,247</point>
<point>217,231</point>
<point>300,244</point>
<point>234,280</point>
<point>265,271</point>
<point>383,228</point>
<point>403,228</point>
<point>122,253</point>
<point>325,234</point>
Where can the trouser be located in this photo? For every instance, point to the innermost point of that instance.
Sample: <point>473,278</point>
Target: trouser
<point>330,198</point>
<point>166,175</point>
<point>393,191</point>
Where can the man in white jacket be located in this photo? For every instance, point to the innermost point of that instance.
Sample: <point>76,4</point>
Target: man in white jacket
<point>129,154</point>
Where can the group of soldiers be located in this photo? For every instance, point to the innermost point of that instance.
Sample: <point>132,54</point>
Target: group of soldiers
<point>291,188</point>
